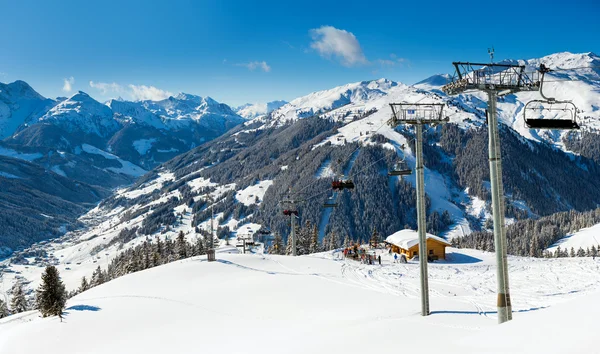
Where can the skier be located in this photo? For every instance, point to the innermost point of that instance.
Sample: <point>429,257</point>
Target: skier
<point>379,259</point>
<point>395,257</point>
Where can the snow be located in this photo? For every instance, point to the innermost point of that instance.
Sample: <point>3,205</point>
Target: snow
<point>126,168</point>
<point>248,195</point>
<point>143,145</point>
<point>257,110</point>
<point>80,112</point>
<point>18,155</point>
<point>199,183</point>
<point>325,170</point>
<point>8,175</point>
<point>583,238</point>
<point>267,302</point>
<point>59,171</point>
<point>409,238</point>
<point>149,187</point>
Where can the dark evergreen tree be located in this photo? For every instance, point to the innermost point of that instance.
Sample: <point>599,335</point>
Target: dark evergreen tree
<point>51,295</point>
<point>18,302</point>
<point>97,277</point>
<point>84,285</point>
<point>314,240</point>
<point>374,241</point>
<point>3,309</point>
<point>181,246</point>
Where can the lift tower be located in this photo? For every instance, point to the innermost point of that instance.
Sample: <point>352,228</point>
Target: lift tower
<point>419,114</point>
<point>293,214</point>
<point>496,80</point>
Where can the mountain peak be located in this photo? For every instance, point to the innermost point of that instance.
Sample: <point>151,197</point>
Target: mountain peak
<point>23,89</point>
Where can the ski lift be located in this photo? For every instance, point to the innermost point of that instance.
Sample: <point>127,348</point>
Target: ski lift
<point>536,111</point>
<point>342,184</point>
<point>288,212</point>
<point>399,168</point>
<point>330,203</point>
<point>398,171</point>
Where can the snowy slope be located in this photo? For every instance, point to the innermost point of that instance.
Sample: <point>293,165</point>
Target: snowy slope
<point>356,94</point>
<point>584,238</point>
<point>82,113</point>
<point>185,109</point>
<point>267,303</point>
<point>251,111</point>
<point>19,104</point>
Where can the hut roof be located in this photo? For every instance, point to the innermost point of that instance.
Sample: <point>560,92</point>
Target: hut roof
<point>409,238</point>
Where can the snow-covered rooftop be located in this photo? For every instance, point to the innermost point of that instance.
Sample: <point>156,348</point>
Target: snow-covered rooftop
<point>409,238</point>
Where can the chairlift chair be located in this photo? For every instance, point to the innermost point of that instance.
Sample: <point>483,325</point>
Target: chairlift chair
<point>342,184</point>
<point>551,106</point>
<point>400,172</point>
<point>330,203</point>
<point>566,108</point>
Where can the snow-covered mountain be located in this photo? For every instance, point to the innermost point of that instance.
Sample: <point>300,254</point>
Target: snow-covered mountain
<point>343,132</point>
<point>144,133</point>
<point>19,104</point>
<point>81,113</point>
<point>251,111</point>
<point>82,141</point>
<point>356,94</point>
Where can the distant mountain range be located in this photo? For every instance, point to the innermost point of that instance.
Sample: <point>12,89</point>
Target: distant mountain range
<point>257,110</point>
<point>305,143</point>
<point>89,147</point>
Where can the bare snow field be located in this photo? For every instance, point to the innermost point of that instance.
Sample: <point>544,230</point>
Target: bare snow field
<point>320,303</point>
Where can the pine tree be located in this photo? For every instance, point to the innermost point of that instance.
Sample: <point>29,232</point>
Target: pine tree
<point>594,251</point>
<point>580,252</point>
<point>18,302</point>
<point>333,241</point>
<point>51,295</point>
<point>374,241</point>
<point>181,246</point>
<point>314,240</point>
<point>200,250</point>
<point>572,253</point>
<point>346,241</point>
<point>3,309</point>
<point>84,285</point>
<point>534,247</point>
<point>98,277</point>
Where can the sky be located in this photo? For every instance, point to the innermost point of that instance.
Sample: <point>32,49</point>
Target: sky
<point>258,51</point>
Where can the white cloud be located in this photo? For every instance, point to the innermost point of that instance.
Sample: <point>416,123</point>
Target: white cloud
<point>68,84</point>
<point>343,45</point>
<point>393,61</point>
<point>143,92</point>
<point>253,65</point>
<point>106,88</point>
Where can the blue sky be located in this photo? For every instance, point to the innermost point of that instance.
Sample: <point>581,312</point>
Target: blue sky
<point>257,51</point>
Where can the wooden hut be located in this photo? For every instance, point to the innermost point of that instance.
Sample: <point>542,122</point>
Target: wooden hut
<point>407,242</point>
